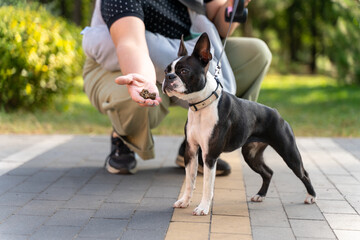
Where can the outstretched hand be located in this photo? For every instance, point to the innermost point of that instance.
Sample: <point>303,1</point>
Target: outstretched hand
<point>135,84</point>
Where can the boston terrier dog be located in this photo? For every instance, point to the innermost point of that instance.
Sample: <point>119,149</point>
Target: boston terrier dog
<point>220,122</point>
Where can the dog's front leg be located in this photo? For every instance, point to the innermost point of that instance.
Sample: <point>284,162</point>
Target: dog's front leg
<point>191,167</point>
<point>208,190</point>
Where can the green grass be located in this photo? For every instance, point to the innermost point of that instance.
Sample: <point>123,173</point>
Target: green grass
<point>77,116</point>
<point>313,105</point>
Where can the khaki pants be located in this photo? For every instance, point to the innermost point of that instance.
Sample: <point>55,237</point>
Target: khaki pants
<point>249,58</point>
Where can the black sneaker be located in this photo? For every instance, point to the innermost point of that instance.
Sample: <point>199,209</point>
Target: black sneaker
<point>222,167</point>
<point>121,159</point>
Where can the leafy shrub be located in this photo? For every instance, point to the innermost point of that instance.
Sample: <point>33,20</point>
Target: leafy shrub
<point>39,57</point>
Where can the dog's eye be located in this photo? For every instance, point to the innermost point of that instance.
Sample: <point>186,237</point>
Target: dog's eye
<point>184,71</point>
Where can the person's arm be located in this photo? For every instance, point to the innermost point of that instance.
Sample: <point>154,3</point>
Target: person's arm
<point>128,35</point>
<point>215,11</point>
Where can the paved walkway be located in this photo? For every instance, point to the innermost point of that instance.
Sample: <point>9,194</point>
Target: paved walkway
<point>54,187</point>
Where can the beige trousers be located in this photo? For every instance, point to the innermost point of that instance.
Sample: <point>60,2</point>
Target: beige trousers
<point>249,58</point>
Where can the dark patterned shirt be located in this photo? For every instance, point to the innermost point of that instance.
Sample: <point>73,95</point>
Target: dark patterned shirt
<point>166,17</point>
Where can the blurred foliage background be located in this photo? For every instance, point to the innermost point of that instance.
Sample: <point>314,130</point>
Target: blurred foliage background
<point>41,57</point>
<point>313,36</point>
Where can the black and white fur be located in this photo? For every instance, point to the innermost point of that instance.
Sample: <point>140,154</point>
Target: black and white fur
<point>224,125</point>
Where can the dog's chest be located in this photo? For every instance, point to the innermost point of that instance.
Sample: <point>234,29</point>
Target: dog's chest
<point>201,124</point>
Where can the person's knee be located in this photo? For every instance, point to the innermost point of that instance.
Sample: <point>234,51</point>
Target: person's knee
<point>264,51</point>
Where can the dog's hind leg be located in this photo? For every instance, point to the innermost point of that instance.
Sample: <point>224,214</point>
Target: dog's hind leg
<point>287,149</point>
<point>253,155</point>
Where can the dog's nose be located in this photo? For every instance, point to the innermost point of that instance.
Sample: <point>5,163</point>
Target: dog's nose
<point>170,76</point>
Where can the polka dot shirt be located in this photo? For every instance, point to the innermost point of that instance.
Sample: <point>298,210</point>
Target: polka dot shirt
<point>169,18</point>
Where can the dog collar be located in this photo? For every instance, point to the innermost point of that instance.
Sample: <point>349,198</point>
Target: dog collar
<point>207,101</point>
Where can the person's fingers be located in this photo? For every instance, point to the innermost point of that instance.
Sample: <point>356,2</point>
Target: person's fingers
<point>123,80</point>
<point>150,102</point>
<point>133,78</point>
<point>137,77</point>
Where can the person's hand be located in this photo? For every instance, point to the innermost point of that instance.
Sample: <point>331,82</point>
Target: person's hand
<point>231,2</point>
<point>246,2</point>
<point>135,84</point>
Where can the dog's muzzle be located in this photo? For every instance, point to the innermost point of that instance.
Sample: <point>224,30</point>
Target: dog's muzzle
<point>168,84</point>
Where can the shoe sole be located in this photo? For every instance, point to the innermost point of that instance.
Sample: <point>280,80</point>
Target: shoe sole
<point>181,163</point>
<point>113,170</point>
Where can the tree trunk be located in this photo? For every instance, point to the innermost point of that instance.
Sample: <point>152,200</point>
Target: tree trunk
<point>292,37</point>
<point>313,29</point>
<point>77,13</point>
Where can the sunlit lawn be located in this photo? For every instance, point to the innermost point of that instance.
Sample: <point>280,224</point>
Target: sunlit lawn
<point>313,105</point>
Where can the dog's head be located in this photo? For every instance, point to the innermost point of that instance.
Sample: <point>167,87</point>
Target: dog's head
<point>187,74</point>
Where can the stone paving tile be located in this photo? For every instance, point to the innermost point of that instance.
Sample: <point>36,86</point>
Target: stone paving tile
<point>301,238</point>
<point>311,229</point>
<point>153,234</point>
<point>13,236</point>
<point>16,199</point>
<point>188,230</point>
<point>229,236</point>
<point>116,210</point>
<point>57,194</point>
<point>301,211</point>
<point>40,208</point>
<point>55,233</point>
<point>22,224</point>
<point>267,218</point>
<point>149,220</point>
<point>130,196</point>
<point>274,204</point>
<point>5,212</point>
<point>354,201</point>
<point>82,171</point>
<point>272,233</point>
<point>162,191</point>
<point>347,235</point>
<point>142,183</point>
<point>329,194</point>
<point>85,202</point>
<point>7,182</point>
<point>104,228</point>
<point>343,221</point>
<point>100,189</point>
<point>30,187</point>
<point>70,217</point>
<point>230,224</point>
<point>104,178</point>
<point>46,176</point>
<point>70,182</point>
<point>157,204</point>
<point>335,206</point>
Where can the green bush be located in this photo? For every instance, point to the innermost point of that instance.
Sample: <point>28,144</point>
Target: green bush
<point>39,57</point>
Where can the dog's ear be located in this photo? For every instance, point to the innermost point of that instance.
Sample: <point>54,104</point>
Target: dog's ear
<point>202,49</point>
<point>182,49</point>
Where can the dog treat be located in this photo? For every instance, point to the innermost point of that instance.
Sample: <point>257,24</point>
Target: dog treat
<point>146,94</point>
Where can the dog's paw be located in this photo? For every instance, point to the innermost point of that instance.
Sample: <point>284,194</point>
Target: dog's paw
<point>257,198</point>
<point>310,199</point>
<point>201,210</point>
<point>181,203</point>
